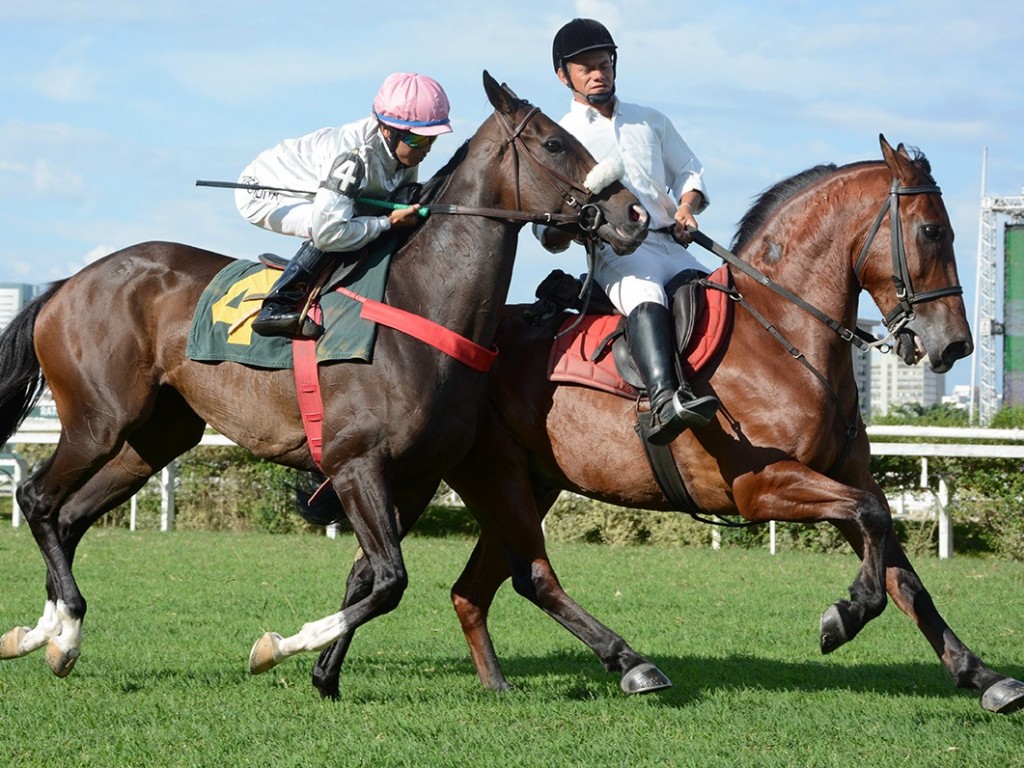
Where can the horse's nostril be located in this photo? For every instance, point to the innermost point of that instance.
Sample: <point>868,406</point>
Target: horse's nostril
<point>957,351</point>
<point>637,214</point>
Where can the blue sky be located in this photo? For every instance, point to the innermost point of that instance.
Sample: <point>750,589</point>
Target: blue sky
<point>110,111</point>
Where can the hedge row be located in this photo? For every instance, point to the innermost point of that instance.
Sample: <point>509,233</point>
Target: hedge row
<point>228,489</point>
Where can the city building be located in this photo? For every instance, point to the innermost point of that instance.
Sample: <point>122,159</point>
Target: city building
<point>895,384</point>
<point>885,382</point>
<point>13,296</point>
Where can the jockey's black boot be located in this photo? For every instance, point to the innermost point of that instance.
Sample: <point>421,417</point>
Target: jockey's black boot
<point>283,305</point>
<point>674,407</point>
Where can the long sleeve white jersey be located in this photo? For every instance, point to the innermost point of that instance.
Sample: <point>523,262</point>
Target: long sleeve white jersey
<point>659,165</point>
<point>659,168</point>
<point>361,163</point>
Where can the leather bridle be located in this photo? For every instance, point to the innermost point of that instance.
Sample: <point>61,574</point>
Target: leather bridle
<point>588,216</point>
<point>903,312</point>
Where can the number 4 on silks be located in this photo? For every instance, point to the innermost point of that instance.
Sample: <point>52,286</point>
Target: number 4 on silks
<point>232,307</point>
<point>346,175</point>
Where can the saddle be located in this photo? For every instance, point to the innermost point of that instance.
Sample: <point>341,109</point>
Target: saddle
<point>590,351</point>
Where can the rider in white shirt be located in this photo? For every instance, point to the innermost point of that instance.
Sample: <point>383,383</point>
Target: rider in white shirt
<point>368,158</point>
<point>667,178</point>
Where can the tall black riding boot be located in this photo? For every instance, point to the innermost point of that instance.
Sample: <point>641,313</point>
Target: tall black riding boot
<point>283,305</point>
<point>674,407</point>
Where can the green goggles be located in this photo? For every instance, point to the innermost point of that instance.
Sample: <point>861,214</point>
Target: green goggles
<point>416,141</point>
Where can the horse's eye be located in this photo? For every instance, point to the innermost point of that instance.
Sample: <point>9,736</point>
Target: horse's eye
<point>933,231</point>
<point>553,146</point>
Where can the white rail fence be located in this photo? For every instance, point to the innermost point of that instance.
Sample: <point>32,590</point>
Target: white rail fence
<point>1010,445</point>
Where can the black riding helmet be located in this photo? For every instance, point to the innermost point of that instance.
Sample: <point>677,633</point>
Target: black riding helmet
<point>579,36</point>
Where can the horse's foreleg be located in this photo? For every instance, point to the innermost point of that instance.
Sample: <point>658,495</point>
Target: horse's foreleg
<point>410,504</point>
<point>366,498</point>
<point>999,692</point>
<point>791,492</point>
<point>327,670</point>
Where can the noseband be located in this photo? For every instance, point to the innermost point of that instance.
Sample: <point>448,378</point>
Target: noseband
<point>903,312</point>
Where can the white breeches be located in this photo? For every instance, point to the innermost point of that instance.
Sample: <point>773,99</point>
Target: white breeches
<point>642,275</point>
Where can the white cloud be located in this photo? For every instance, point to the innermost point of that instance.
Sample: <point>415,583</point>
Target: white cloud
<point>66,82</point>
<point>54,181</point>
<point>96,254</point>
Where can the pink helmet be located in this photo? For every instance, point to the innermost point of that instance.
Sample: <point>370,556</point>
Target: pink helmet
<point>414,103</point>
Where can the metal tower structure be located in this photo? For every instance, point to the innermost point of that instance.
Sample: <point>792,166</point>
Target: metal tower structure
<point>986,323</point>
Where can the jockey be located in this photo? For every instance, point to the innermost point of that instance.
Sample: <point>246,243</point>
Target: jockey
<point>369,158</point>
<point>667,178</point>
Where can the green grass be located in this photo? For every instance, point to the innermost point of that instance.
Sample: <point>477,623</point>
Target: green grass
<point>162,680</point>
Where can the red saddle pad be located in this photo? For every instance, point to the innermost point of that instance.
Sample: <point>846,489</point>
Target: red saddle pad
<point>570,359</point>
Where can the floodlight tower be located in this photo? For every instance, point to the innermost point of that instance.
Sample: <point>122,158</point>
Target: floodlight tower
<point>986,323</point>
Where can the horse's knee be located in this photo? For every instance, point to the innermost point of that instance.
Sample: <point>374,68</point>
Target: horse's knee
<point>874,517</point>
<point>536,582</point>
<point>390,585</point>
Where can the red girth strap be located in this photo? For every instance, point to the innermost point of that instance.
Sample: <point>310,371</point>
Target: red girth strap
<point>462,349</point>
<point>307,378</point>
<point>307,388</point>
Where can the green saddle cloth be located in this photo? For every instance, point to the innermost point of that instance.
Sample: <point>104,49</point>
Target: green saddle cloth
<point>226,301</point>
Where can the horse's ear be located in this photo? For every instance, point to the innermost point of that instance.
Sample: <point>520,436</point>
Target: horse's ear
<point>899,162</point>
<point>501,96</point>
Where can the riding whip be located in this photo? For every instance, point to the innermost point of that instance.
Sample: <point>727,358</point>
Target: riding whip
<point>422,211</point>
<point>589,217</point>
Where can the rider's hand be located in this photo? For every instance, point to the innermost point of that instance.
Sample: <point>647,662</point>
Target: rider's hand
<point>405,218</point>
<point>684,223</point>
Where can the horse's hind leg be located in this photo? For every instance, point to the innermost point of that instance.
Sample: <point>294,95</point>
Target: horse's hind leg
<point>171,430</point>
<point>58,628</point>
<point>497,558</point>
<point>472,595</point>
<point>512,544</point>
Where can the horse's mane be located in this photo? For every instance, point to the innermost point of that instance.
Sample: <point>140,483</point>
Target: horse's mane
<point>769,201</point>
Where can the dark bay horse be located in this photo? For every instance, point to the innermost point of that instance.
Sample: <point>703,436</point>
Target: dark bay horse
<point>788,444</point>
<point>110,341</point>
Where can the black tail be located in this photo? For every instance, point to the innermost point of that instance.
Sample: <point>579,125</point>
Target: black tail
<point>325,509</point>
<point>21,379</point>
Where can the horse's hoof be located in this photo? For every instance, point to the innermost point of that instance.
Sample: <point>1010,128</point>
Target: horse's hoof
<point>60,661</point>
<point>833,629</point>
<point>1004,696</point>
<point>10,643</point>
<point>265,654</point>
<point>644,678</point>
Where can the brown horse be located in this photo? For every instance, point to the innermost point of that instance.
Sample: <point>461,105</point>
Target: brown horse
<point>788,444</point>
<point>110,341</point>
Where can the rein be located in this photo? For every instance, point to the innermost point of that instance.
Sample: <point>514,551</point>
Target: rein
<point>587,216</point>
<point>895,320</point>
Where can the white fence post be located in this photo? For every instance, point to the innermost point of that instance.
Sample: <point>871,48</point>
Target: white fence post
<point>945,524</point>
<point>167,477</point>
<point>19,469</point>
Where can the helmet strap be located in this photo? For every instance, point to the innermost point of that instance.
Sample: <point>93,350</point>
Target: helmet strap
<point>391,139</point>
<point>596,99</point>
